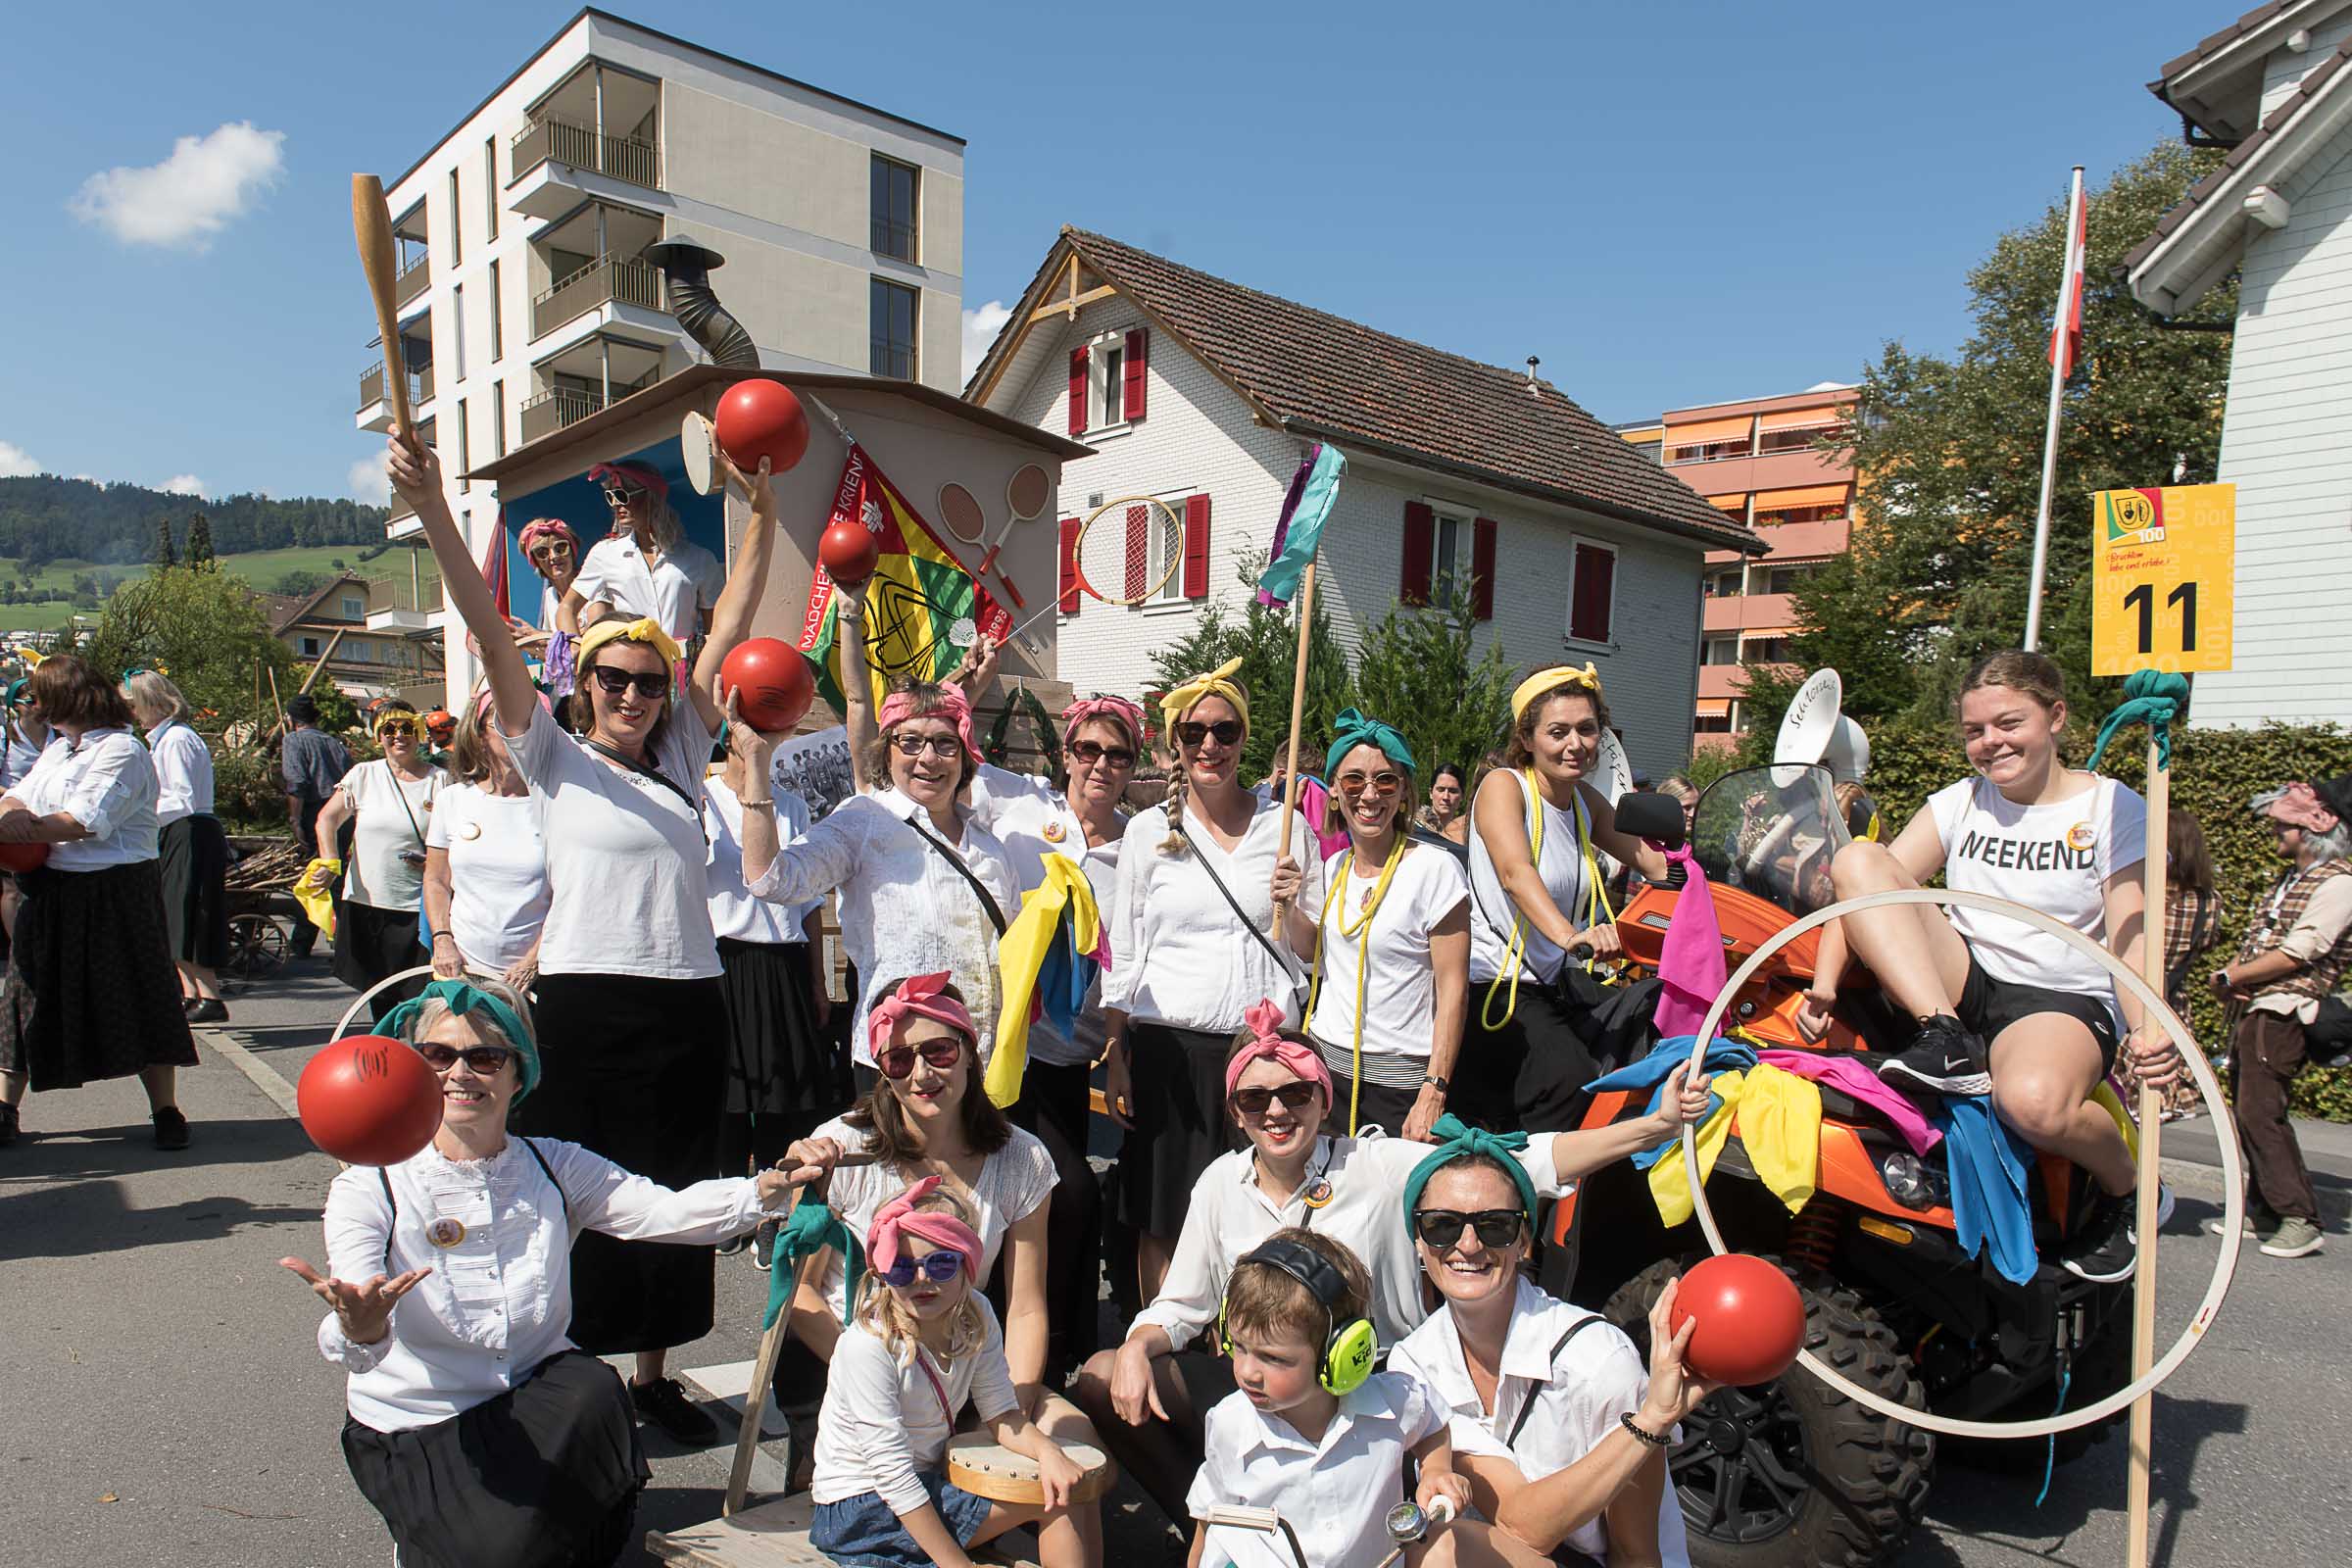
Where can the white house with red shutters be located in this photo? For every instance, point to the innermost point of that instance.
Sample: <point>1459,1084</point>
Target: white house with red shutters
<point>1204,395</point>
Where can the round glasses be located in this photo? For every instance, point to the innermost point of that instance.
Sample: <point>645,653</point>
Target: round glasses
<point>897,1061</point>
<point>937,1268</point>
<point>1384,786</point>
<point>949,748</point>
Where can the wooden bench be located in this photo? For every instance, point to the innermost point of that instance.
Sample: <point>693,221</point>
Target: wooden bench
<point>775,1535</point>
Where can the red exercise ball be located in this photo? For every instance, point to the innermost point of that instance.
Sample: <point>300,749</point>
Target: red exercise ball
<point>762,418</point>
<point>22,857</point>
<point>849,552</point>
<point>1751,1320</point>
<point>368,1099</point>
<point>774,680</point>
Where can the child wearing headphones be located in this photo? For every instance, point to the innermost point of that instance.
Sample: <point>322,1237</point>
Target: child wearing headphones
<point>923,1343</point>
<point>1314,1434</point>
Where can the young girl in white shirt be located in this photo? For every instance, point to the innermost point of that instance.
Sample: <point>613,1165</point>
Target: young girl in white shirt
<point>924,1342</point>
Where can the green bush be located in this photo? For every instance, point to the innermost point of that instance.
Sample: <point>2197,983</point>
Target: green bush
<point>249,793</point>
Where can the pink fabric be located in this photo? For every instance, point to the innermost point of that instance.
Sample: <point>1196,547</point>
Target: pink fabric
<point>485,698</point>
<point>1117,709</point>
<point>951,705</point>
<point>1312,797</point>
<point>1691,962</point>
<point>924,996</point>
<point>635,473</point>
<point>899,1217</point>
<point>1852,1078</point>
<point>2301,806</point>
<point>1264,1019</point>
<point>550,528</point>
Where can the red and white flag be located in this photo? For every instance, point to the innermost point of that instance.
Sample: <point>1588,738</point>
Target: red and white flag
<point>2066,324</point>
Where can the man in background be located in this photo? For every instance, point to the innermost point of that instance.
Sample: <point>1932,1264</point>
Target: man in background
<point>313,762</point>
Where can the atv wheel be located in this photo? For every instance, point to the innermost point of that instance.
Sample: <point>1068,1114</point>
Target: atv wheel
<point>1791,1472</point>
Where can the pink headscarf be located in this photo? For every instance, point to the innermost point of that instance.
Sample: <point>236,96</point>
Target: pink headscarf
<point>899,1217</point>
<point>1264,1019</point>
<point>950,703</point>
<point>550,528</point>
<point>925,997</point>
<point>1118,710</point>
<point>635,474</point>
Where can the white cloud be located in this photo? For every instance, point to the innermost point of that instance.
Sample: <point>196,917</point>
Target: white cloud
<point>15,461</point>
<point>192,195</point>
<point>367,481</point>
<point>184,484</point>
<point>980,328</point>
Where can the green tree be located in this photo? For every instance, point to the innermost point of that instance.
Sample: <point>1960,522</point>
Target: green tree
<point>1265,641</point>
<point>1420,670</point>
<point>202,626</point>
<point>164,555</point>
<point>200,541</point>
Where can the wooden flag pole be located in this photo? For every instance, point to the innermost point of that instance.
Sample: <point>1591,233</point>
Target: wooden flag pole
<point>1290,773</point>
<point>2151,1125</point>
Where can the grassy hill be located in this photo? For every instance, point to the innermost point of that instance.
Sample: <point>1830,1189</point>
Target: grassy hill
<point>264,570</point>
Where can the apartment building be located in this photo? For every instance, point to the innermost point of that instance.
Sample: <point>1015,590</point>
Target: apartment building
<point>1761,462</point>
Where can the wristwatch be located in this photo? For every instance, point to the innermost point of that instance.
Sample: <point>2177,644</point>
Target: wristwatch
<point>1434,1082</point>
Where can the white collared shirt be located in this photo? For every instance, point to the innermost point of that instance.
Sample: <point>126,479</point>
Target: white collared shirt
<point>183,772</point>
<point>883,1422</point>
<point>673,591</point>
<point>1578,1399</point>
<point>1336,1494</point>
<point>1229,1214</point>
<point>498,1301</point>
<point>903,909</point>
<point>1032,819</point>
<point>734,913</point>
<point>107,784</point>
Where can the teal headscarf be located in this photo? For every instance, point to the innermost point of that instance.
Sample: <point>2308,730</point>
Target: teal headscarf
<point>1456,1138</point>
<point>401,1023</point>
<point>1351,728</point>
<point>810,1229</point>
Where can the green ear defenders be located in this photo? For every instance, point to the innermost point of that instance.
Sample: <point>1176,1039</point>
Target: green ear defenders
<point>1350,1348</point>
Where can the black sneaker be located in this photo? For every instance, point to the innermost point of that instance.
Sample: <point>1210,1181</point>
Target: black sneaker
<point>734,1244</point>
<point>665,1404</point>
<point>2106,1250</point>
<point>208,1009</point>
<point>8,1125</point>
<point>1944,1057</point>
<point>763,1243</point>
<point>171,1129</point>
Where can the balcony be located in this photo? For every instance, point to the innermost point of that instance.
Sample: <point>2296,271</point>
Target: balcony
<point>402,606</point>
<point>607,281</point>
<point>551,411</point>
<point>375,404</point>
<point>1749,612</point>
<point>408,284</point>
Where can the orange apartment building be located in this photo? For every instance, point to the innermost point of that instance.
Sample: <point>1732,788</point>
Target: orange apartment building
<point>1756,458</point>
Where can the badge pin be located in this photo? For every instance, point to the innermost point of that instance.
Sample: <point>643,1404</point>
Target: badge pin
<point>445,1232</point>
<point>1056,833</point>
<point>2082,836</point>
<point>471,830</point>
<point>1318,1192</point>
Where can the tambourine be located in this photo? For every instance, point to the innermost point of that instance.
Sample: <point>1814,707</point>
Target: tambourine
<point>990,1470</point>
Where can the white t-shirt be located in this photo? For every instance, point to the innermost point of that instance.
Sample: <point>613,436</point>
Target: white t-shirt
<point>1401,1001</point>
<point>498,892</point>
<point>884,1422</point>
<point>734,913</point>
<point>2055,859</point>
<point>673,591</point>
<point>624,854</point>
<point>1560,863</point>
<point>389,817</point>
<point>1336,1494</point>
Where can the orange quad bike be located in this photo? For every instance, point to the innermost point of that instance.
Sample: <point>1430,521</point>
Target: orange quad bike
<point>1791,1472</point>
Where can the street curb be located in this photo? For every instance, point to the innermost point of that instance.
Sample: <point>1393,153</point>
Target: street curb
<point>268,1079</point>
<point>2191,1179</point>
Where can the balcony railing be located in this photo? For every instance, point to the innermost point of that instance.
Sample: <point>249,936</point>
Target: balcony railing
<point>1710,451</point>
<point>374,391</point>
<point>615,278</point>
<point>551,411</point>
<point>548,139</point>
<point>1799,437</point>
<point>399,592</point>
<point>407,286</point>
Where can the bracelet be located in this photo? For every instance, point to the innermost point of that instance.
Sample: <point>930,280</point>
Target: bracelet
<point>769,801</point>
<point>1627,1419</point>
<point>438,935</point>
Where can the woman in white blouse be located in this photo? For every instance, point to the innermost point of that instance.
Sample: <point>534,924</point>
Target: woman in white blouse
<point>388,801</point>
<point>485,861</point>
<point>90,993</point>
<point>1190,954</point>
<point>192,853</point>
<point>477,1427</point>
<point>645,568</point>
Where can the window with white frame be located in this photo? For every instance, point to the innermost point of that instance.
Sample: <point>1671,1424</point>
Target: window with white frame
<point>1449,550</point>
<point>1167,549</point>
<point>1106,388</point>
<point>354,608</point>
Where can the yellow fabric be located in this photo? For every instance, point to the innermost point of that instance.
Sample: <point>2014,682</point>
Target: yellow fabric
<point>1219,682</point>
<point>1362,932</point>
<point>612,628</point>
<point>1021,953</point>
<point>1544,680</point>
<point>318,903</point>
<point>396,715</point>
<point>1779,1117</point>
<point>1669,1183</point>
<point>2109,1102</point>
<point>1598,909</point>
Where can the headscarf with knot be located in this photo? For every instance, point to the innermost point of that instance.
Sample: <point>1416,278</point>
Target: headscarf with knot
<point>1219,682</point>
<point>461,998</point>
<point>810,1228</point>
<point>924,996</point>
<point>549,529</point>
<point>612,629</point>
<point>1353,727</point>
<point>632,475</point>
<point>1457,1139</point>
<point>1547,680</point>
<point>948,704</point>
<point>1266,1044</point>
<point>1117,709</point>
<point>900,1219</point>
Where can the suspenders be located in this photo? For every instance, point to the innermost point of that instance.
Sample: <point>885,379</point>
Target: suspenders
<point>393,1203</point>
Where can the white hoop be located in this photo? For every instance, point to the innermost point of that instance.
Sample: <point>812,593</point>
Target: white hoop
<point>1078,546</point>
<point>353,1011</point>
<point>2232,1168</point>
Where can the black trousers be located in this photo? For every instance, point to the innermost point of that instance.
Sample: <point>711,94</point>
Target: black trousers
<point>1055,1105</point>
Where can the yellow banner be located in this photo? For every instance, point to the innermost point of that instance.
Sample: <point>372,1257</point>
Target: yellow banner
<point>2164,578</point>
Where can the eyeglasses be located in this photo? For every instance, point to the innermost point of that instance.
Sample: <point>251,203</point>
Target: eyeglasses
<point>1228,732</point>
<point>1090,753</point>
<point>396,731</point>
<point>1255,1100</point>
<point>487,1061</point>
<point>897,1061</point>
<point>937,1268</point>
<point>552,547</point>
<point>617,496</point>
<point>1383,785</point>
<point>949,748</point>
<point>649,683</point>
<point>1440,1228</point>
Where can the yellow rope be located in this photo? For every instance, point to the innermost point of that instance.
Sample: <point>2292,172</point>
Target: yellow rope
<point>1362,932</point>
<point>1597,901</point>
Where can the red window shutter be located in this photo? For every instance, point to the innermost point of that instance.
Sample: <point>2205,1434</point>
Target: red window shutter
<point>1070,596</point>
<point>1131,375</point>
<point>1590,598</point>
<point>1195,547</point>
<point>1482,568</point>
<point>1139,551</point>
<point>1420,546</point>
<point>1078,358</point>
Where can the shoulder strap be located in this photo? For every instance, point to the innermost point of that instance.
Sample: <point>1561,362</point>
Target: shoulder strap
<point>392,1204</point>
<point>1231,903</point>
<point>1559,1345</point>
<point>549,1171</point>
<point>402,795</point>
<point>988,900</point>
<point>625,759</point>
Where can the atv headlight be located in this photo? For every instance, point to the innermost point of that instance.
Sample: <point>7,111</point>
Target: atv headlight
<point>1906,1179</point>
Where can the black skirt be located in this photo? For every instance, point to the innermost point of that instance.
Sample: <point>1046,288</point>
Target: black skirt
<point>635,1070</point>
<point>371,943</point>
<point>193,855</point>
<point>544,1476</point>
<point>1177,1077</point>
<point>1527,1075</point>
<point>779,1062</point>
<point>90,992</point>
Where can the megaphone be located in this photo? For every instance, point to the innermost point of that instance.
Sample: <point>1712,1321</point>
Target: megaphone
<point>1814,732</point>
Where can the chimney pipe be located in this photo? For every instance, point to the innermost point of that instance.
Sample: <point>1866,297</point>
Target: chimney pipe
<point>687,267</point>
<point>1532,389</point>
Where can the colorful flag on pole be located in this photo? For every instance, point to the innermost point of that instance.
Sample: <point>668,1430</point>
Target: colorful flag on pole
<point>2066,324</point>
<point>1047,961</point>
<point>1299,528</point>
<point>919,597</point>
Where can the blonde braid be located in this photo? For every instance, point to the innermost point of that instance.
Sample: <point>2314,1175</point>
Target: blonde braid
<point>1174,843</point>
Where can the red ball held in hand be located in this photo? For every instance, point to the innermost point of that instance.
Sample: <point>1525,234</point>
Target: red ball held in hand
<point>762,418</point>
<point>849,552</point>
<point>22,857</point>
<point>774,681</point>
<point>1751,1320</point>
<point>368,1099</point>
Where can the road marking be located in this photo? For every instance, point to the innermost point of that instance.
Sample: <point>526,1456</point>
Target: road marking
<point>268,1079</point>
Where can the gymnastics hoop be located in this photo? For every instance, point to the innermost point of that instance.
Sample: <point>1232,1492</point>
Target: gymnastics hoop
<point>369,994</point>
<point>1078,548</point>
<point>2232,1168</point>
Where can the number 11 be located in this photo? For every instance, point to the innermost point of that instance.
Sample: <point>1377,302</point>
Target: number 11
<point>2143,599</point>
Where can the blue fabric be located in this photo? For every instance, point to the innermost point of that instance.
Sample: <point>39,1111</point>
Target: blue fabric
<point>461,998</point>
<point>1064,979</point>
<point>1455,1138</point>
<point>1353,728</point>
<point>862,1532</point>
<point>1652,1072</point>
<point>1987,1167</point>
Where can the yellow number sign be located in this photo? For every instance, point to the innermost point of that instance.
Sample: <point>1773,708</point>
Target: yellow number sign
<point>2163,572</point>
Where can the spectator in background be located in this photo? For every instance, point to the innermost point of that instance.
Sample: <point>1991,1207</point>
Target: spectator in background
<point>1684,794</point>
<point>1444,815</point>
<point>193,852</point>
<point>645,568</point>
<point>388,801</point>
<point>2192,923</point>
<point>313,763</point>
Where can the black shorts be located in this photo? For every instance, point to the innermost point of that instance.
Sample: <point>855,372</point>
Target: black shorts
<point>1988,1005</point>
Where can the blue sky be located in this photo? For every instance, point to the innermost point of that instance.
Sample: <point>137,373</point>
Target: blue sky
<point>1669,203</point>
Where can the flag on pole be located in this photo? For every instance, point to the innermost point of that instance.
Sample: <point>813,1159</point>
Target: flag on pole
<point>2066,324</point>
<point>922,609</point>
<point>1299,528</point>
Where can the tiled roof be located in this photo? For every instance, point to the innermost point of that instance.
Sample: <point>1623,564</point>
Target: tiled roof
<point>2209,44</point>
<point>1321,374</point>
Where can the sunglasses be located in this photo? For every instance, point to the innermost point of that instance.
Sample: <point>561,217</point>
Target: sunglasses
<point>550,547</point>
<point>1255,1100</point>
<point>1228,732</point>
<point>617,496</point>
<point>616,681</point>
<point>1440,1228</point>
<point>949,748</point>
<point>1091,753</point>
<point>897,1061</point>
<point>397,731</point>
<point>1384,786</point>
<point>937,1268</point>
<point>486,1060</point>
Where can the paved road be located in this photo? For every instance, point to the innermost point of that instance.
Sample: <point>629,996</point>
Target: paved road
<point>161,1402</point>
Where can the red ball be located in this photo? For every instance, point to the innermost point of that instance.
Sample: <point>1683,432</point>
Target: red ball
<point>849,552</point>
<point>762,418</point>
<point>22,857</point>
<point>1751,1320</point>
<point>774,680</point>
<point>368,1099</point>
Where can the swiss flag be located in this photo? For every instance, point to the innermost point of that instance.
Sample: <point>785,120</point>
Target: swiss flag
<point>2066,324</point>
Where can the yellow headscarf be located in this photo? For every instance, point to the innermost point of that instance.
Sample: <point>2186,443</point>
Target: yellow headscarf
<point>612,629</point>
<point>1544,681</point>
<point>1182,699</point>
